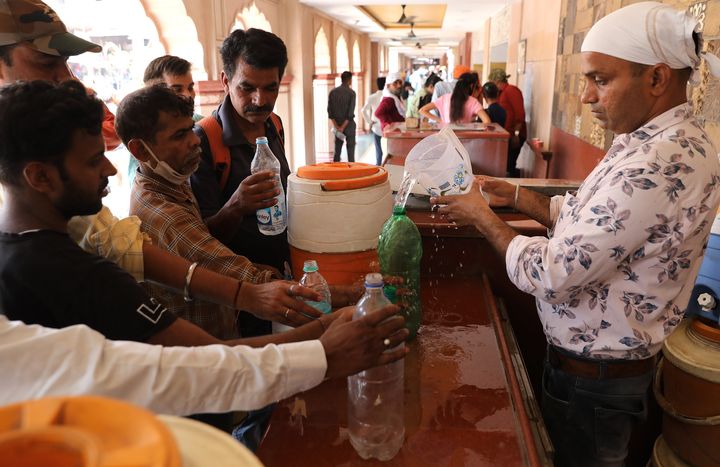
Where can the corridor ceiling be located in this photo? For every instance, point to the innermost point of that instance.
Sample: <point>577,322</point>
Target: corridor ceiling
<point>446,22</point>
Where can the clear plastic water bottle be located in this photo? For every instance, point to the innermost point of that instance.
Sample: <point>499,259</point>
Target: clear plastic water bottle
<point>376,421</point>
<point>313,280</point>
<point>272,220</point>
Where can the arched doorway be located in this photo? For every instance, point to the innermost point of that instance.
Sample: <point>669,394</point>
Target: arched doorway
<point>323,82</point>
<point>251,17</point>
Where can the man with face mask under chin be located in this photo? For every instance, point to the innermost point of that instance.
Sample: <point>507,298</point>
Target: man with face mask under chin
<point>156,126</point>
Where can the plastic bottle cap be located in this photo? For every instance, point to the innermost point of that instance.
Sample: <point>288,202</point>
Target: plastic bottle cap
<point>374,280</point>
<point>310,266</point>
<point>261,140</point>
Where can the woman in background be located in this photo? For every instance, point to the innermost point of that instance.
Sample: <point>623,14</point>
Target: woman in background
<point>462,106</point>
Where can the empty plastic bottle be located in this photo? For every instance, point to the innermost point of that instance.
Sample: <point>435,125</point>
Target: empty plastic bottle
<point>376,421</point>
<point>400,251</point>
<point>313,280</point>
<point>272,220</point>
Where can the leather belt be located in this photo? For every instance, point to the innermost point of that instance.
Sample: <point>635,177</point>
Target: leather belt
<point>598,369</point>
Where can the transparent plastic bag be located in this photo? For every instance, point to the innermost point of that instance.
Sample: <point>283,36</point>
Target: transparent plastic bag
<point>440,164</point>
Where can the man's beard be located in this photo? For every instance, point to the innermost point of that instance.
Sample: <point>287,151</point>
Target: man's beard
<point>73,202</point>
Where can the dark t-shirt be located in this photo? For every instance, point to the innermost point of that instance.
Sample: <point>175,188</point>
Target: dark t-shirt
<point>47,279</point>
<point>272,250</point>
<point>496,113</point>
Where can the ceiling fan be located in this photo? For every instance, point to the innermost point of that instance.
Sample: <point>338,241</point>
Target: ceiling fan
<point>405,19</point>
<point>411,36</point>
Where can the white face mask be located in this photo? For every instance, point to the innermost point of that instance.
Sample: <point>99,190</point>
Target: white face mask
<point>164,170</point>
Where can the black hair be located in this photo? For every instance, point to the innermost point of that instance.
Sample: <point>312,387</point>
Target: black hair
<point>380,81</point>
<point>259,49</point>
<point>432,80</point>
<point>490,90</point>
<point>345,77</point>
<point>139,112</point>
<point>6,52</point>
<point>38,121</point>
<point>464,87</point>
<point>170,64</point>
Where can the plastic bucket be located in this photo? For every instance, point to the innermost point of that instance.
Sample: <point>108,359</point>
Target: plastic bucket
<point>687,388</point>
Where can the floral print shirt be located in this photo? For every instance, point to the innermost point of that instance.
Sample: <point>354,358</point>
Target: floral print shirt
<point>616,273</point>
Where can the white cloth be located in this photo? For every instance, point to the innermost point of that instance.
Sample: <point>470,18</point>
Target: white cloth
<point>37,362</point>
<point>615,275</point>
<point>398,103</point>
<point>393,76</point>
<point>368,112</point>
<point>117,240</point>
<point>649,33</point>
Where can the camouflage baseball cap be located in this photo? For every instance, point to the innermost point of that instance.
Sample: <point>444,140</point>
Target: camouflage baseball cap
<point>498,74</point>
<point>35,23</point>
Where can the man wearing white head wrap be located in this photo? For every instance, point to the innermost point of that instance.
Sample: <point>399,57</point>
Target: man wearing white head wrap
<point>649,33</point>
<point>391,108</point>
<point>614,277</point>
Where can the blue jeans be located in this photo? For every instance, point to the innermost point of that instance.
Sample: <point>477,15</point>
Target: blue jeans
<point>378,149</point>
<point>590,421</point>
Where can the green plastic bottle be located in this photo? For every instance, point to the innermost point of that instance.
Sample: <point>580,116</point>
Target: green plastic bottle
<point>400,251</point>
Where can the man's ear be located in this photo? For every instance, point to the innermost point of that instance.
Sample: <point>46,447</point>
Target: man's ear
<point>225,81</point>
<point>138,150</point>
<point>660,79</point>
<point>42,177</point>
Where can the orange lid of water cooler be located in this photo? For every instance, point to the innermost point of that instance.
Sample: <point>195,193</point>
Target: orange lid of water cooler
<point>337,176</point>
<point>84,432</point>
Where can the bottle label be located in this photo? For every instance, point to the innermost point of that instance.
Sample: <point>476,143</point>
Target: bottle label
<point>264,216</point>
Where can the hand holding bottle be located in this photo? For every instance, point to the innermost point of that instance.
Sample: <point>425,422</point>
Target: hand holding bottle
<point>258,191</point>
<point>355,345</point>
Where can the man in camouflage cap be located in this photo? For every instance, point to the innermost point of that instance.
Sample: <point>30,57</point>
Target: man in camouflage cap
<point>34,23</point>
<point>35,45</point>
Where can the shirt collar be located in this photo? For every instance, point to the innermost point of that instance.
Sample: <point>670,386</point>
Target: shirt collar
<point>232,135</point>
<point>665,120</point>
<point>157,184</point>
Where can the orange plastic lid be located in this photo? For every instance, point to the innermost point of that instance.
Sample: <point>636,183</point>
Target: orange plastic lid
<point>84,431</point>
<point>336,176</point>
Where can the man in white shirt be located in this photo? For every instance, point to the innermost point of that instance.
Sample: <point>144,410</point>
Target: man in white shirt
<point>43,362</point>
<point>368,113</point>
<point>616,273</point>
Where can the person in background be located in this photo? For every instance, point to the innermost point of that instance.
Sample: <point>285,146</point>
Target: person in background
<point>511,99</point>
<point>494,109</point>
<point>175,73</point>
<point>446,87</point>
<point>391,108</point>
<point>459,107</point>
<point>614,277</point>
<point>368,113</point>
<point>422,97</point>
<point>408,91</point>
<point>341,112</point>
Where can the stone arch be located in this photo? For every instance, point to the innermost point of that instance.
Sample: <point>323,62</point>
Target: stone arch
<point>177,32</point>
<point>342,58</point>
<point>322,53</point>
<point>356,59</point>
<point>251,17</point>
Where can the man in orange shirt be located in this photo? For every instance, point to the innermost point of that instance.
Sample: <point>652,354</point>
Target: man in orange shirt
<point>511,99</point>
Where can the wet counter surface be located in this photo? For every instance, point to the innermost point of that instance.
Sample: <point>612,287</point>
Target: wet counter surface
<point>458,403</point>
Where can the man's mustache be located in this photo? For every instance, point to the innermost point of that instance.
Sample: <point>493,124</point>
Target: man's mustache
<point>257,108</point>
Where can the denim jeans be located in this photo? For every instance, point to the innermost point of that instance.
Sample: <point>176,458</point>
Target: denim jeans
<point>590,421</point>
<point>378,149</point>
